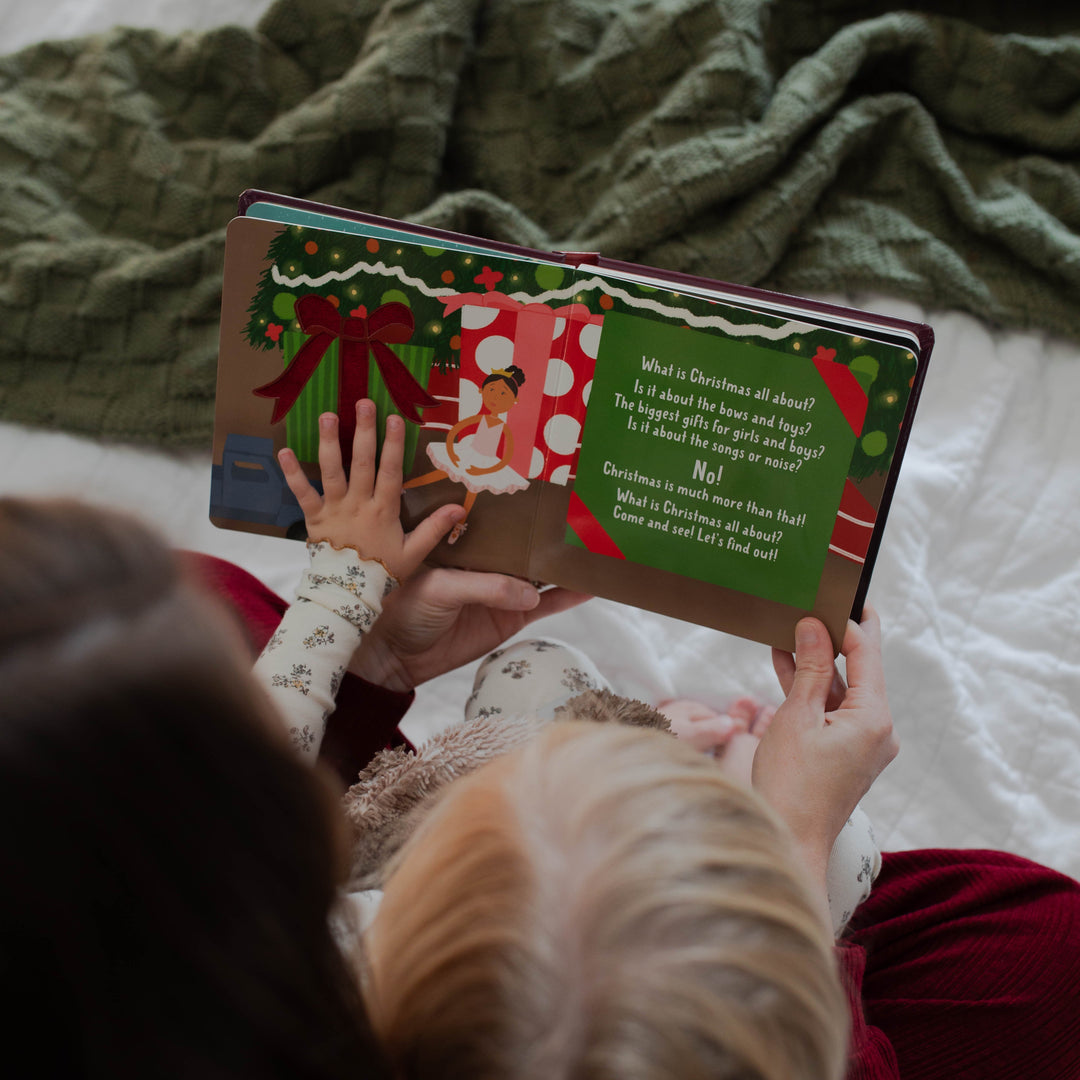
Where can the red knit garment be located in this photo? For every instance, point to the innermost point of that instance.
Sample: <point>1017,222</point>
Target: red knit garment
<point>967,964</point>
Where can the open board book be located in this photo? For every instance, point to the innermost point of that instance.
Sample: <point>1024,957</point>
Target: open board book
<point>712,452</point>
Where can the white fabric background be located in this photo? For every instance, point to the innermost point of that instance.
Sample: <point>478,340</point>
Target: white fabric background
<point>977,582</point>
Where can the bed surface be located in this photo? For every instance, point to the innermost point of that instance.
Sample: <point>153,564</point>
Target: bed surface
<point>977,581</point>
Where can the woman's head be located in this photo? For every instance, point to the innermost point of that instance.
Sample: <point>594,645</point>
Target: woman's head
<point>603,904</point>
<point>169,866</point>
<point>500,389</point>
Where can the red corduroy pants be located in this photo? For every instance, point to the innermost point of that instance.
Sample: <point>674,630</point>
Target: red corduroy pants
<point>972,968</point>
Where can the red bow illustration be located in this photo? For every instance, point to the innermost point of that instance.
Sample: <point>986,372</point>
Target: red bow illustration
<point>391,322</point>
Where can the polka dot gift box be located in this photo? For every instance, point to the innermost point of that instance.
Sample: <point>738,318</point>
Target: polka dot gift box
<point>556,349</point>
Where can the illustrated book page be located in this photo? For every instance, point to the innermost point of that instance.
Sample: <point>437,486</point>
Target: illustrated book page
<point>677,449</point>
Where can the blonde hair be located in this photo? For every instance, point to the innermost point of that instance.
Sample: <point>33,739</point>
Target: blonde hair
<point>603,903</point>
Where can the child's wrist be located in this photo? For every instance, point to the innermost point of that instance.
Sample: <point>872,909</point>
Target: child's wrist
<point>340,552</point>
<point>344,583</point>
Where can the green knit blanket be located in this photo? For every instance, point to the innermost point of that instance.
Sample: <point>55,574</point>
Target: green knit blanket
<point>805,146</point>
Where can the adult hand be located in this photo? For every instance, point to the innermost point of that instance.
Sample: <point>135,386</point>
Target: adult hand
<point>364,511</point>
<point>444,618</point>
<point>819,757</point>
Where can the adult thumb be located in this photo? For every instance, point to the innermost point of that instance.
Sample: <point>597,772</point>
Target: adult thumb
<point>452,588</point>
<point>813,664</point>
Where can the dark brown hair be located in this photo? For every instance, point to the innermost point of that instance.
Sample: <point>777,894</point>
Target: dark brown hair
<point>513,376</point>
<point>170,866</point>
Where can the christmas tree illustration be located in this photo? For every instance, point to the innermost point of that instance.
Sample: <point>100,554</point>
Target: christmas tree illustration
<point>304,261</point>
<point>360,279</point>
<point>887,387</point>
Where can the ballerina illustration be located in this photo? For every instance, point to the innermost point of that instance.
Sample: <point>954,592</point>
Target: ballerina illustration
<point>474,460</point>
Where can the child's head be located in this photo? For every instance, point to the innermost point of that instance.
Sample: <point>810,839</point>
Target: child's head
<point>500,389</point>
<point>168,865</point>
<point>603,904</point>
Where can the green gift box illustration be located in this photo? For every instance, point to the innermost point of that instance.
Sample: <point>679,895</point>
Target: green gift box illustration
<point>327,369</point>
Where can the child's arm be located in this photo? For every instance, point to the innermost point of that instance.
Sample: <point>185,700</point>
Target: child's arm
<point>359,553</point>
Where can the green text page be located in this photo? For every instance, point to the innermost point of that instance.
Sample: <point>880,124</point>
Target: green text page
<point>714,458</point>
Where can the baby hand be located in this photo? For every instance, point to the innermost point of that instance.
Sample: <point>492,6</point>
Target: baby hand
<point>702,726</point>
<point>363,512</point>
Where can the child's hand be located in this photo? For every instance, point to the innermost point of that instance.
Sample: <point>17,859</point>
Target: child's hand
<point>363,512</point>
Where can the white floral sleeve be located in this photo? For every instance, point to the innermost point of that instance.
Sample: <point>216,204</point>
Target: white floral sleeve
<point>337,600</point>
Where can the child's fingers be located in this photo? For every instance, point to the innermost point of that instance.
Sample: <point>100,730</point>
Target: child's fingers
<point>388,480</point>
<point>362,474</point>
<point>309,499</point>
<point>700,725</point>
<point>422,540</point>
<point>333,475</point>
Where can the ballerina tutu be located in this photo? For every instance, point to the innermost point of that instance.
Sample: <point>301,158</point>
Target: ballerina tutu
<point>499,482</point>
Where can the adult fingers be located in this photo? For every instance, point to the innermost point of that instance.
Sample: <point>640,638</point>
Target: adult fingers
<point>388,480</point>
<point>309,499</point>
<point>862,648</point>
<point>456,589</point>
<point>555,600</point>
<point>813,676</point>
<point>784,666</point>
<point>362,469</point>
<point>837,692</point>
<point>862,652</point>
<point>420,543</point>
<point>333,475</point>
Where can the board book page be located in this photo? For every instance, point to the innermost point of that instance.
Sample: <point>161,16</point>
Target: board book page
<point>711,452</point>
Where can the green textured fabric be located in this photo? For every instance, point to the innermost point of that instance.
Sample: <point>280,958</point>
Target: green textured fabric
<point>808,147</point>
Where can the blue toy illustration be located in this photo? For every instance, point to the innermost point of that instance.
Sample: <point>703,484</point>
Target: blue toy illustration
<point>248,485</point>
